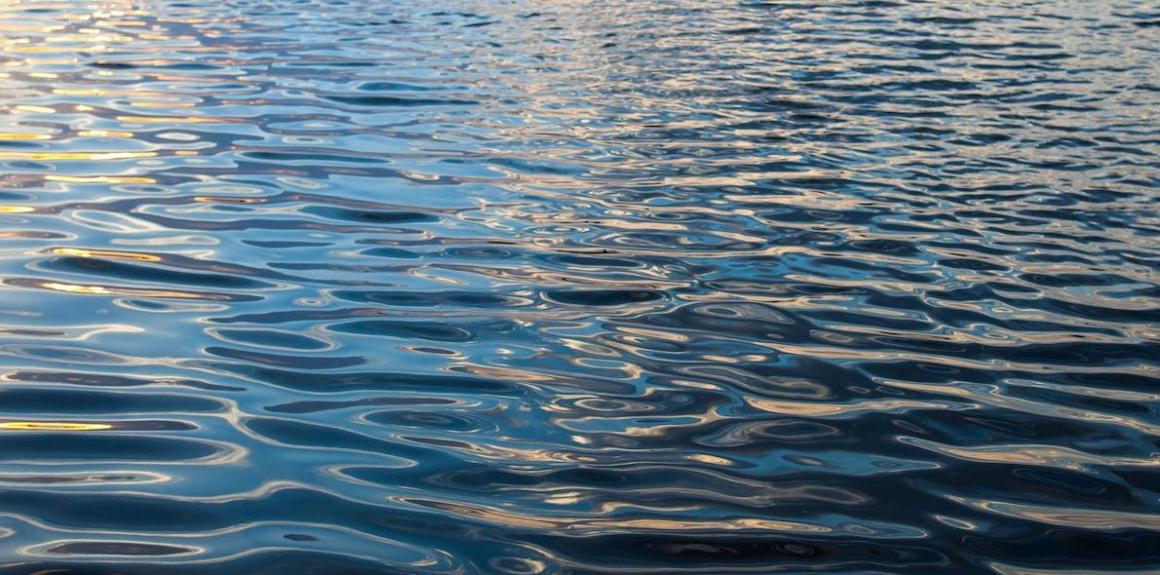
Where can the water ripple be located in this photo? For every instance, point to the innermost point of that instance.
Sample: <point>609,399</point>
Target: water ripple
<point>753,286</point>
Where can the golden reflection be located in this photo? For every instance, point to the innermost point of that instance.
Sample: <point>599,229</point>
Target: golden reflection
<point>831,409</point>
<point>83,253</point>
<point>1070,517</point>
<point>993,395</point>
<point>16,209</point>
<point>75,288</point>
<point>710,459</point>
<point>78,91</point>
<point>53,426</point>
<point>655,334</point>
<point>11,136</point>
<point>583,523</point>
<point>102,290</point>
<point>1042,455</point>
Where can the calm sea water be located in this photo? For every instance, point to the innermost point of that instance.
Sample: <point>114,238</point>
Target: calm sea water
<point>514,287</point>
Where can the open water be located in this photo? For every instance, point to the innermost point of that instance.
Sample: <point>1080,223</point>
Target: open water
<point>577,287</point>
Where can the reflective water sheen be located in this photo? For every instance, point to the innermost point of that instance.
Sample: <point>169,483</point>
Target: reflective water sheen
<point>513,287</point>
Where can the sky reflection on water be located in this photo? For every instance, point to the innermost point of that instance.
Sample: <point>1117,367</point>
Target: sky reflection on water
<point>579,287</point>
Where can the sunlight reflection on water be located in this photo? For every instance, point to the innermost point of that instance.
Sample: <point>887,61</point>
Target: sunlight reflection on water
<point>676,287</point>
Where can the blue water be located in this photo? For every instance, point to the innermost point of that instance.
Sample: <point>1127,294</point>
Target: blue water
<point>296,287</point>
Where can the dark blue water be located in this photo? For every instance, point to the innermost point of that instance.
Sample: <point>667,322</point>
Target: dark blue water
<point>513,287</point>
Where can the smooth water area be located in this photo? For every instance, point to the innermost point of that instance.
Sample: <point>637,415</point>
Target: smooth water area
<point>514,287</point>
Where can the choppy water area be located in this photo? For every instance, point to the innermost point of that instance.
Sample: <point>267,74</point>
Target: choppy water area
<point>375,287</point>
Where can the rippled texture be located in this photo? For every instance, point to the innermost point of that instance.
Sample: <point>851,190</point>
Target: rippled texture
<point>370,287</point>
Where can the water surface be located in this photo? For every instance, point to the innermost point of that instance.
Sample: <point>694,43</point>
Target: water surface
<point>713,287</point>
